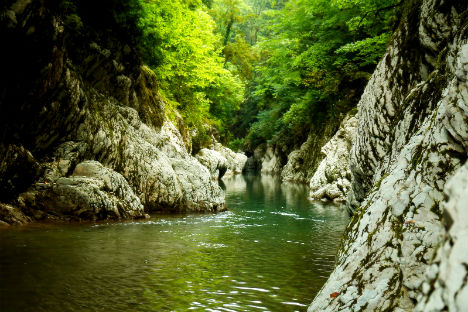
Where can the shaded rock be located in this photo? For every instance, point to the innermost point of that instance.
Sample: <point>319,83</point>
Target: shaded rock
<point>211,159</point>
<point>12,215</point>
<point>412,135</point>
<point>63,160</point>
<point>92,192</point>
<point>18,169</point>
<point>303,162</point>
<point>254,161</point>
<point>294,169</point>
<point>235,161</point>
<point>332,179</point>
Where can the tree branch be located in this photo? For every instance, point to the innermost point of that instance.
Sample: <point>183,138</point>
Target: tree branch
<point>378,10</point>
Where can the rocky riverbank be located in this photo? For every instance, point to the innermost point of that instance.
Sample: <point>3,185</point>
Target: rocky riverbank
<point>84,129</point>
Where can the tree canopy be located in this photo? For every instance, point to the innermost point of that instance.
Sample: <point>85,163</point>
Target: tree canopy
<point>261,70</point>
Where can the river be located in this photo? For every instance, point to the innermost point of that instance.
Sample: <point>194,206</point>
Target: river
<point>272,251</point>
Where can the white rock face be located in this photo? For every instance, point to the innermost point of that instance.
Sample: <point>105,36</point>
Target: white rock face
<point>214,161</point>
<point>412,136</point>
<point>332,179</point>
<point>152,161</point>
<point>155,164</point>
<point>91,192</point>
<point>221,161</point>
<point>235,161</point>
<point>271,164</point>
<point>446,285</point>
<point>199,192</point>
<point>293,171</point>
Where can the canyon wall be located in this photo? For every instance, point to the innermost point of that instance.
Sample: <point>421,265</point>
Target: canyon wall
<point>405,247</point>
<point>84,130</point>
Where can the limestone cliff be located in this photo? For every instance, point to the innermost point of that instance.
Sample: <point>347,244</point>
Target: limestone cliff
<point>84,132</point>
<point>294,164</point>
<point>235,161</point>
<point>446,287</point>
<point>303,162</point>
<point>405,245</point>
<point>332,179</point>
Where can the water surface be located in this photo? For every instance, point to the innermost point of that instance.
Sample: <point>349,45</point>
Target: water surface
<point>272,251</point>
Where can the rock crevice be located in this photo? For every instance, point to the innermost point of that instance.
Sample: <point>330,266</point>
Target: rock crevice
<point>411,138</point>
<point>84,128</point>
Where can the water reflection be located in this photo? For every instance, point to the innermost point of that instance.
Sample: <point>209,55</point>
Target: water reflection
<point>272,251</point>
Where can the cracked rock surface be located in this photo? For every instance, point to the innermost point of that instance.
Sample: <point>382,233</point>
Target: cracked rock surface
<point>332,179</point>
<point>214,161</point>
<point>445,287</point>
<point>411,137</point>
<point>84,127</point>
<point>235,161</point>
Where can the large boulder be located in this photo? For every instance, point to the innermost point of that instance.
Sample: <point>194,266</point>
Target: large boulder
<point>150,159</point>
<point>91,192</point>
<point>214,161</point>
<point>200,193</point>
<point>221,161</point>
<point>235,161</point>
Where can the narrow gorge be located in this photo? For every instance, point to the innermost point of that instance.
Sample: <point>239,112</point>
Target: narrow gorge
<point>85,131</point>
<point>234,155</point>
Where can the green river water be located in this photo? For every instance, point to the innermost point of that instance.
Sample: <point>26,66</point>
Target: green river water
<point>272,251</point>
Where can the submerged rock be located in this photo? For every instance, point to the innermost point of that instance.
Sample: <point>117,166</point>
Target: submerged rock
<point>412,136</point>
<point>332,179</point>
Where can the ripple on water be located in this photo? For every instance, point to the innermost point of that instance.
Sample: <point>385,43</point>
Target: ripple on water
<point>257,256</point>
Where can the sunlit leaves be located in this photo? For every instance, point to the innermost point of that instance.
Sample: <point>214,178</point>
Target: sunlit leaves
<point>315,53</point>
<point>184,50</point>
<point>366,52</point>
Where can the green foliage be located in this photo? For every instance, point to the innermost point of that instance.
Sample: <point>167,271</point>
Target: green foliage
<point>237,144</point>
<point>255,69</point>
<point>243,56</point>
<point>83,16</point>
<point>316,57</point>
<point>201,139</point>
<point>364,52</point>
<point>181,45</point>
